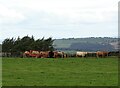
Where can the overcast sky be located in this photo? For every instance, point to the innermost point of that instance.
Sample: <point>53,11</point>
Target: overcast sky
<point>58,18</point>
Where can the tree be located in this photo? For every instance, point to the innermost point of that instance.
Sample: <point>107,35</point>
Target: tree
<point>16,46</point>
<point>48,44</point>
<point>25,43</point>
<point>7,45</point>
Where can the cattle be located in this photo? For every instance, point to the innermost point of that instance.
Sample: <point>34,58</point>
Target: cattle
<point>65,55</point>
<point>81,54</point>
<point>55,54</point>
<point>31,53</point>
<point>59,54</point>
<point>101,54</point>
<point>35,52</point>
<point>44,54</point>
<point>26,54</point>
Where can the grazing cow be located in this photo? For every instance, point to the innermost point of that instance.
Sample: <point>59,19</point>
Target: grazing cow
<point>59,54</point>
<point>101,54</point>
<point>81,54</point>
<point>26,54</point>
<point>31,53</point>
<point>44,54</point>
<point>65,55</point>
<point>34,52</point>
<point>55,54</point>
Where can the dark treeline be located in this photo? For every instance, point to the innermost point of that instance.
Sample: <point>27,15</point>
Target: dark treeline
<point>17,46</point>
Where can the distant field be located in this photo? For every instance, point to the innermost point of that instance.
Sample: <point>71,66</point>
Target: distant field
<point>60,72</point>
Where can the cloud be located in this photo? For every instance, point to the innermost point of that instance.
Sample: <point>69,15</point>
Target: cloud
<point>73,10</point>
<point>58,18</point>
<point>10,15</point>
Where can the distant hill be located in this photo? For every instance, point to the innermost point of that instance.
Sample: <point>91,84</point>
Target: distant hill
<point>87,44</point>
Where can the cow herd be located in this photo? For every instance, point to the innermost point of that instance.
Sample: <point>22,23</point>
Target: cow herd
<point>61,54</point>
<point>44,54</point>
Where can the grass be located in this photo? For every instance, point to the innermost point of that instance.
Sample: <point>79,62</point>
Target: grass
<point>60,72</point>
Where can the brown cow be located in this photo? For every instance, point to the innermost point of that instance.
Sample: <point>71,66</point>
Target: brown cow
<point>101,54</point>
<point>26,54</point>
<point>55,54</point>
<point>31,53</point>
<point>59,54</point>
<point>44,54</point>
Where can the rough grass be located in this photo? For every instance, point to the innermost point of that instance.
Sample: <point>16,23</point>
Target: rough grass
<point>60,72</point>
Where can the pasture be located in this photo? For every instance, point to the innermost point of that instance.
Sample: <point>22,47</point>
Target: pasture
<point>60,71</point>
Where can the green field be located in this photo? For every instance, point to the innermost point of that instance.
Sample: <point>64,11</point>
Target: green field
<point>60,72</point>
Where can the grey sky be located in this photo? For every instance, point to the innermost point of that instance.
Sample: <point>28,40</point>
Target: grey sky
<point>58,18</point>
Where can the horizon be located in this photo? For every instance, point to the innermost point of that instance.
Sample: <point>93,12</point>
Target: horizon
<point>1,40</point>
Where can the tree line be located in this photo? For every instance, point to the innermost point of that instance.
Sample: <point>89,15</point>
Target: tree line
<point>17,46</point>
